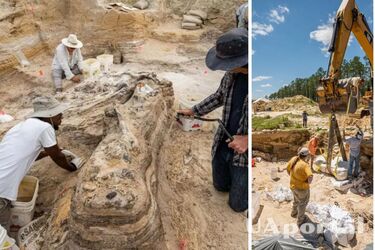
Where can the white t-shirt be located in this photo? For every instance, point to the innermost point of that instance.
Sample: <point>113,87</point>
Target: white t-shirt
<point>19,148</point>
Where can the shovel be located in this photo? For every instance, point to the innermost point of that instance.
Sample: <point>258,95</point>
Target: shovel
<point>221,124</point>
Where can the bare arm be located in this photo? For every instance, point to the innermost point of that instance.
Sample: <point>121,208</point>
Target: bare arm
<point>41,155</point>
<point>59,158</point>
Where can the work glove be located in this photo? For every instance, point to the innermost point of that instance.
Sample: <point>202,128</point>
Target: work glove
<point>77,162</point>
<point>73,158</point>
<point>69,155</point>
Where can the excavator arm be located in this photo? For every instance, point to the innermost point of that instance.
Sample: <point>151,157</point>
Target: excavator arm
<point>333,96</point>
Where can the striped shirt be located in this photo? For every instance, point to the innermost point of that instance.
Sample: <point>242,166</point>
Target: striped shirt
<point>223,97</point>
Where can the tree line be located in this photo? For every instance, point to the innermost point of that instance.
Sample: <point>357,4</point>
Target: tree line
<point>307,86</point>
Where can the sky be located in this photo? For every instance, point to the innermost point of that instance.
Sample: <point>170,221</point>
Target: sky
<point>290,40</point>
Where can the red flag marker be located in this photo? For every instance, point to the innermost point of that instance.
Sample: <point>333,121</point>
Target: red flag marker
<point>182,245</point>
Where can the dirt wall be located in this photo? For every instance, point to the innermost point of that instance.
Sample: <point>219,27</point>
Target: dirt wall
<point>278,144</point>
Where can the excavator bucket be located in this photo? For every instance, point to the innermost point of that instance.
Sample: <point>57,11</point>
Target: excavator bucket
<point>340,96</point>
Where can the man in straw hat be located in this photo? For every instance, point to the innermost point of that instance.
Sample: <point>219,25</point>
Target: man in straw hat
<point>67,62</point>
<point>229,163</point>
<point>26,142</point>
<point>300,178</point>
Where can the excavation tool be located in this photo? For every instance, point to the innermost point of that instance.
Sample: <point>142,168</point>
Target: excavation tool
<point>334,130</point>
<point>336,95</point>
<point>342,96</point>
<point>221,124</point>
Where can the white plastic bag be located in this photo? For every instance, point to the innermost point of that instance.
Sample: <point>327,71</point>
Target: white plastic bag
<point>281,194</point>
<point>338,223</point>
<point>340,168</point>
<point>144,89</point>
<point>32,235</point>
<point>342,185</point>
<point>330,236</point>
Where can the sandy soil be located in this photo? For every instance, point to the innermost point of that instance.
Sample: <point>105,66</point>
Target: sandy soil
<point>192,210</point>
<point>194,215</point>
<point>322,192</point>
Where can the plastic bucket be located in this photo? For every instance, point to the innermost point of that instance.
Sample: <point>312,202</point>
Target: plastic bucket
<point>22,211</point>
<point>6,243</point>
<point>274,173</point>
<point>185,123</point>
<point>106,61</point>
<point>189,124</point>
<point>91,68</point>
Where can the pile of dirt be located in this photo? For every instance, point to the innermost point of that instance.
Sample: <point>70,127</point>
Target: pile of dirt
<point>295,103</point>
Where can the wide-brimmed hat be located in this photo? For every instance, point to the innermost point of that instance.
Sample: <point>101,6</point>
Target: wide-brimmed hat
<point>72,42</point>
<point>46,107</point>
<point>230,52</point>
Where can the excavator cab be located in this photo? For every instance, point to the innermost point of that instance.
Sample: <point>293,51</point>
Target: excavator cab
<point>341,96</point>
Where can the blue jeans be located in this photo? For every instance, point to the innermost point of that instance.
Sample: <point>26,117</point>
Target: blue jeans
<point>229,178</point>
<point>353,160</point>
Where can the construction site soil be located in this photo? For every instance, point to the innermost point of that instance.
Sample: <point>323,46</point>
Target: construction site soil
<point>274,148</point>
<point>146,184</point>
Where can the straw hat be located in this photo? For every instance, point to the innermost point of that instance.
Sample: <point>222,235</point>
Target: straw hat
<point>72,42</point>
<point>46,107</point>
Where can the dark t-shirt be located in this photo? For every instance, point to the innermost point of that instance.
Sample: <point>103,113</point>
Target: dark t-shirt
<point>240,91</point>
<point>304,116</point>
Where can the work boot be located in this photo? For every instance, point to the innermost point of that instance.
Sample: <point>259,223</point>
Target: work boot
<point>58,90</point>
<point>294,215</point>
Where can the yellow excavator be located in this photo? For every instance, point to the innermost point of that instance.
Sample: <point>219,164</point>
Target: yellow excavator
<point>336,95</point>
<point>339,96</point>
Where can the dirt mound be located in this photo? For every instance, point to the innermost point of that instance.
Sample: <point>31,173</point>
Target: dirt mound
<point>295,103</point>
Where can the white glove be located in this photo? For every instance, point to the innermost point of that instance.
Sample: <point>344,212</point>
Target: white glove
<point>73,158</point>
<point>77,162</point>
<point>69,155</point>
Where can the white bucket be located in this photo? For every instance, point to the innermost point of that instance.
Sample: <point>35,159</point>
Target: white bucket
<point>6,243</point>
<point>91,68</point>
<point>22,211</point>
<point>185,123</point>
<point>273,173</point>
<point>255,204</point>
<point>189,124</point>
<point>106,61</point>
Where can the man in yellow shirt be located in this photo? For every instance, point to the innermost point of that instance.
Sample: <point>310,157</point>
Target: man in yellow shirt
<point>300,178</point>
